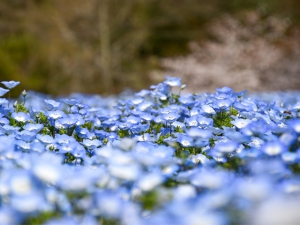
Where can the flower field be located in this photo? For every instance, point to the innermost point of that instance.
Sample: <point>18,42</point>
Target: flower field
<point>153,157</point>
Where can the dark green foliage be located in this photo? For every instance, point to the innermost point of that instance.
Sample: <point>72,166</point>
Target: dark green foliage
<point>88,125</point>
<point>149,200</point>
<point>41,218</point>
<point>123,133</point>
<point>21,108</point>
<point>223,118</point>
<point>295,168</point>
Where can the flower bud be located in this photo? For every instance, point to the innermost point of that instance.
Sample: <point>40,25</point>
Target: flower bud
<point>24,93</point>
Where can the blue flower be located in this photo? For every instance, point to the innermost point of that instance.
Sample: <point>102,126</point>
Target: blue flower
<point>173,81</point>
<point>273,148</point>
<point>33,127</point>
<point>170,117</point>
<point>224,149</point>
<point>3,101</point>
<point>91,144</point>
<point>21,117</point>
<point>3,91</point>
<point>241,123</point>
<point>192,121</point>
<point>10,84</point>
<point>55,114</point>
<point>198,133</point>
<point>26,136</point>
<point>51,104</point>
<point>187,101</point>
<point>204,121</point>
<point>208,110</point>
<point>67,122</point>
<point>185,140</point>
<point>70,102</point>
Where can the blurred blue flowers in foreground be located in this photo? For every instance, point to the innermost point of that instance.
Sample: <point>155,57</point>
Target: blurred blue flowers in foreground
<point>156,157</point>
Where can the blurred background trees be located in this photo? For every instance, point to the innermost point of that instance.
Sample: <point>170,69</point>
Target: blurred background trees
<point>103,46</point>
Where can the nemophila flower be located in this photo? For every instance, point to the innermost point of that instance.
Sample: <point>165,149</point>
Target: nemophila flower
<point>5,110</point>
<point>64,139</point>
<point>125,172</point>
<point>4,121</point>
<point>133,120</point>
<point>109,204</point>
<point>57,114</point>
<point>170,117</point>
<point>125,144</point>
<point>294,124</point>
<point>8,130</point>
<point>199,158</point>
<point>84,133</point>
<point>140,128</point>
<point>224,149</point>
<point>67,122</point>
<point>30,203</point>
<point>237,136</point>
<point>242,107</point>
<point>46,139</point>
<point>47,171</point>
<point>10,84</point>
<point>224,90</point>
<point>33,127</point>
<point>22,145</point>
<point>210,179</point>
<point>26,136</point>
<point>84,112</point>
<point>91,144</point>
<point>144,105</point>
<point>158,120</point>
<point>178,124</point>
<point>184,140</point>
<point>79,151</point>
<point>199,133</point>
<point>51,104</point>
<point>186,101</point>
<point>101,134</point>
<point>255,190</point>
<point>295,107</point>
<point>222,104</point>
<point>67,147</point>
<point>240,123</point>
<point>288,138</point>
<point>204,121</point>
<point>124,126</point>
<point>136,101</point>
<point>275,115</point>
<point>247,105</point>
<point>161,88</point>
<point>21,117</point>
<point>273,148</point>
<point>70,102</point>
<point>289,157</point>
<point>161,152</point>
<point>80,120</point>
<point>143,93</point>
<point>208,109</point>
<point>3,101</point>
<point>37,146</point>
<point>173,81</point>
<point>146,116</point>
<point>192,121</point>
<point>256,128</point>
<point>150,181</point>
